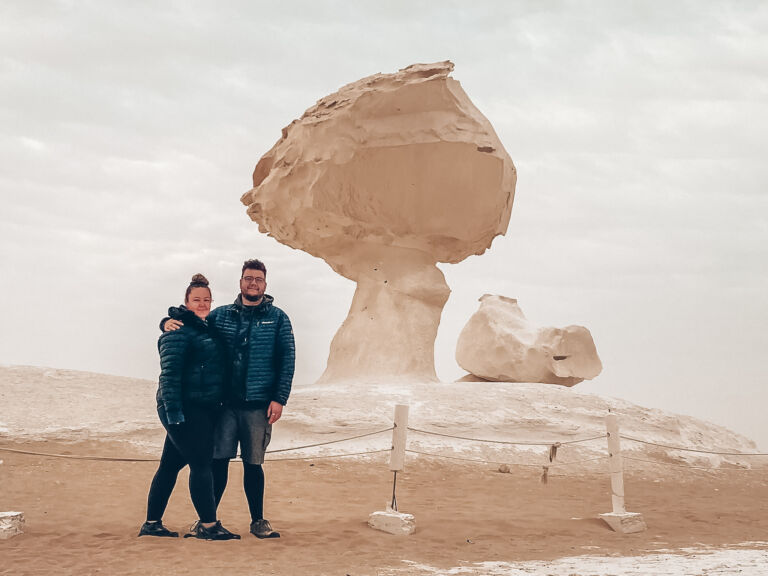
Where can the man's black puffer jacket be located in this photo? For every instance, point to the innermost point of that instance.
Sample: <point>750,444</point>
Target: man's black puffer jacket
<point>193,366</point>
<point>260,343</point>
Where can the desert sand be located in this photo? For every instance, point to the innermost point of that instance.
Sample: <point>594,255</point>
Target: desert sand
<point>82,516</point>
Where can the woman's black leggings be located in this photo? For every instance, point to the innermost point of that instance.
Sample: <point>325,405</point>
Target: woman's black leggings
<point>190,442</point>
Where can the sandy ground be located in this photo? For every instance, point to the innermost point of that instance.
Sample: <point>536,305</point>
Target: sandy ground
<point>82,518</point>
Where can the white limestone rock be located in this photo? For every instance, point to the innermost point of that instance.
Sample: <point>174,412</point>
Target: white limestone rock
<point>500,344</point>
<point>74,413</point>
<point>393,522</point>
<point>625,522</point>
<point>383,179</point>
<point>11,524</point>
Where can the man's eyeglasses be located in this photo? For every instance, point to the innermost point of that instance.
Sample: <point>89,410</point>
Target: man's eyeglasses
<point>253,280</point>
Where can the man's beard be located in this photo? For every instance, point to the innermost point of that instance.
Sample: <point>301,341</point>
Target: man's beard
<point>253,298</point>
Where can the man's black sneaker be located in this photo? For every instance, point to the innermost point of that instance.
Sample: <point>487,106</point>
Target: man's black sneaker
<point>215,532</point>
<point>156,529</point>
<point>263,529</point>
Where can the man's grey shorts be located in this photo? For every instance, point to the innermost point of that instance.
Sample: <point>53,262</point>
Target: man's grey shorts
<point>248,427</point>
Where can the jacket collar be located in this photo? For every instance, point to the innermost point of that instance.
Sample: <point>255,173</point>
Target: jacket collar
<point>264,305</point>
<point>185,315</point>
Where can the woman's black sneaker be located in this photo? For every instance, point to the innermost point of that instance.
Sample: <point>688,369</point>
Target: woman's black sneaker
<point>157,529</point>
<point>215,532</point>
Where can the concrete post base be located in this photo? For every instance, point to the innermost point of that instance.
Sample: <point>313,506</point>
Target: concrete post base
<point>11,524</point>
<point>393,522</point>
<point>626,523</point>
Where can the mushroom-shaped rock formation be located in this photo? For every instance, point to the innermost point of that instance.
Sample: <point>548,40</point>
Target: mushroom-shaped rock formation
<point>382,180</point>
<point>499,343</point>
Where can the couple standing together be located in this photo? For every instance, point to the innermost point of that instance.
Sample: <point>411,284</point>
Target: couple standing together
<point>225,376</point>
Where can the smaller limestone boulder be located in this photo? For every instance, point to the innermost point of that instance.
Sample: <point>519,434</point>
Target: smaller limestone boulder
<point>500,344</point>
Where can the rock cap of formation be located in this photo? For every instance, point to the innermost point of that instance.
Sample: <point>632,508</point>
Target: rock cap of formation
<point>499,343</point>
<point>401,159</point>
<point>383,179</point>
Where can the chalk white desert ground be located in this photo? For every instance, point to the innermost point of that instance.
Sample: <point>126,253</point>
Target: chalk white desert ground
<point>705,512</point>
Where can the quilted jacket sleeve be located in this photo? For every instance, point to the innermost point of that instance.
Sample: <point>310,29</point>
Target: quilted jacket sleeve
<point>213,317</point>
<point>173,349</point>
<point>286,356</point>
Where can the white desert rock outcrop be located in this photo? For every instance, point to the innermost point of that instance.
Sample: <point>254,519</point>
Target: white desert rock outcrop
<point>383,179</point>
<point>87,406</point>
<point>499,343</point>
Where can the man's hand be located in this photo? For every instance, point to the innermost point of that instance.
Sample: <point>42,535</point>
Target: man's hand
<point>274,411</point>
<point>171,325</point>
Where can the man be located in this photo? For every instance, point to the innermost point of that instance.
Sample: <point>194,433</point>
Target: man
<point>259,339</point>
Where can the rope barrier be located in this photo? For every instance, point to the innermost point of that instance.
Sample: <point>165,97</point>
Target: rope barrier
<point>518,443</point>
<point>330,441</point>
<point>710,469</point>
<point>324,456</point>
<point>78,457</point>
<point>432,433</point>
<point>692,449</point>
<point>118,459</point>
<point>551,465</point>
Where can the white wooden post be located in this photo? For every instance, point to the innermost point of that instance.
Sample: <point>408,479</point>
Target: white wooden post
<point>390,520</point>
<point>399,434</point>
<point>616,464</point>
<point>619,519</point>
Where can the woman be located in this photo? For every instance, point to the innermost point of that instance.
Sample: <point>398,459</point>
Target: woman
<point>192,380</point>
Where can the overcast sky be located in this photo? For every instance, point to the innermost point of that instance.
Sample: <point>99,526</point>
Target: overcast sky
<point>129,131</point>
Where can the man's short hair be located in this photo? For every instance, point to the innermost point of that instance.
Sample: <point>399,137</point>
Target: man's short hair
<point>254,265</point>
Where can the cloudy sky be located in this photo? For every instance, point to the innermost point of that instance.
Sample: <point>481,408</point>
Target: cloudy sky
<point>129,131</point>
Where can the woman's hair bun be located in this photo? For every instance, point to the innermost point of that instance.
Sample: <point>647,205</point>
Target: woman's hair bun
<point>199,279</point>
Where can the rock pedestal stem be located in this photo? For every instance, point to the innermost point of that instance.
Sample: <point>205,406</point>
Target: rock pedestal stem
<point>390,331</point>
